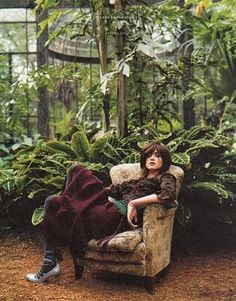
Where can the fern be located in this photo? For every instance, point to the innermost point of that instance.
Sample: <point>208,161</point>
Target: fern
<point>216,187</point>
<point>226,177</point>
<point>201,144</point>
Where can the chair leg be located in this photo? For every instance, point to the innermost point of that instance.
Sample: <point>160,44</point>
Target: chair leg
<point>164,272</point>
<point>150,285</point>
<point>78,269</point>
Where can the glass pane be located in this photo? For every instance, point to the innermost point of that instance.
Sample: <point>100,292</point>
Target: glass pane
<point>32,62</point>
<point>30,15</point>
<point>12,14</point>
<point>19,67</point>
<point>13,37</point>
<point>30,125</point>
<point>33,125</point>
<point>32,45</point>
<point>4,78</point>
<point>4,66</point>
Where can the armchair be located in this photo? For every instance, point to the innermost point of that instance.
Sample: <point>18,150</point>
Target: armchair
<point>141,252</point>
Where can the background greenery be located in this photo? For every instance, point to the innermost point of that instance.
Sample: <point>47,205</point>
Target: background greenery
<point>173,56</point>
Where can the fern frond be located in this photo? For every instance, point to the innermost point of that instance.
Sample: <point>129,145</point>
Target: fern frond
<point>216,187</point>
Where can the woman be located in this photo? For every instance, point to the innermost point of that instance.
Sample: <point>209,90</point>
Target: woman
<point>83,211</point>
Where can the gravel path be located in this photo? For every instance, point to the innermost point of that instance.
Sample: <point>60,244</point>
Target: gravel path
<point>194,275</point>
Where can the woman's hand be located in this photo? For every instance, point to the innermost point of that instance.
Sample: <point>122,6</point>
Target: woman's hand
<point>132,215</point>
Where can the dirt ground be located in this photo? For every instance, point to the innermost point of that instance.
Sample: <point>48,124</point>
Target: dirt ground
<point>196,275</point>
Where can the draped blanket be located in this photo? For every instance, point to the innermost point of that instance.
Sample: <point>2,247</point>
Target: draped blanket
<point>81,212</point>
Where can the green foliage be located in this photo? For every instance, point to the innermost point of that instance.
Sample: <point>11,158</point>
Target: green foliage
<point>37,216</point>
<point>206,155</point>
<point>219,189</point>
<point>40,170</point>
<point>81,145</point>
<point>62,147</point>
<point>181,159</point>
<point>208,193</point>
<point>155,80</point>
<point>213,57</point>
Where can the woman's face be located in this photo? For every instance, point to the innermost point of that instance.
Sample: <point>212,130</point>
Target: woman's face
<point>154,161</point>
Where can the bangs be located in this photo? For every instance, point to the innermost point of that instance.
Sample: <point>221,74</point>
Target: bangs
<point>151,150</point>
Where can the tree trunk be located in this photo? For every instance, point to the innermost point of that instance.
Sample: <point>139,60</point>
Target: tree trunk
<point>42,59</point>
<point>121,79</point>
<point>101,41</point>
<point>189,102</point>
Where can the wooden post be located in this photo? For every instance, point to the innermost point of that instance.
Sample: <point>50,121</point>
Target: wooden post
<point>121,79</point>
<point>42,59</point>
<point>188,103</point>
<point>102,53</point>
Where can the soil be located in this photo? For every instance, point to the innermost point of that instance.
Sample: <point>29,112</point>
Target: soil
<point>196,274</point>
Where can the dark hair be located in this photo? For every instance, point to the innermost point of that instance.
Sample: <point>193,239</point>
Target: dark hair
<point>150,149</point>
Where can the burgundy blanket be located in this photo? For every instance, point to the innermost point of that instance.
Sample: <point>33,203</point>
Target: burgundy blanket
<point>81,212</point>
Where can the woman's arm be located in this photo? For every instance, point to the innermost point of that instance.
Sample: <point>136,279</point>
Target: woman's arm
<point>148,199</point>
<point>132,214</point>
<point>165,196</point>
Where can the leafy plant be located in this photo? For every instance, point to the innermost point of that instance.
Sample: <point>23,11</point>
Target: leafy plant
<point>40,170</point>
<point>207,197</point>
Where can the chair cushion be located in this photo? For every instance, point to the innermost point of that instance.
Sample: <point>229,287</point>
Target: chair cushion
<point>136,256</point>
<point>124,242</point>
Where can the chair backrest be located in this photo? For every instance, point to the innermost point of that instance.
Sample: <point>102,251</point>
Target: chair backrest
<point>129,171</point>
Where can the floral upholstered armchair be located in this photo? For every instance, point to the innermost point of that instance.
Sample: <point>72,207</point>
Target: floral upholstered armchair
<point>141,252</point>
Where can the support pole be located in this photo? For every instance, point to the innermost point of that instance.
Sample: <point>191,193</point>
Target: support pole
<point>42,59</point>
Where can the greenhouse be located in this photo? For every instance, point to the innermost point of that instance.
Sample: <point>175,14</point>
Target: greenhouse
<point>118,143</point>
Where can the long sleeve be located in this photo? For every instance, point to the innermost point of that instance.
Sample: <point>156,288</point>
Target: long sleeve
<point>119,190</point>
<point>168,189</point>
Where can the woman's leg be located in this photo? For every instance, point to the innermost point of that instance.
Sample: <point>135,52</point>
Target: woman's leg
<point>50,266</point>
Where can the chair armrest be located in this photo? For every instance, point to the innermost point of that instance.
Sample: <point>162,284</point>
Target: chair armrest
<point>152,217</point>
<point>157,235</point>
